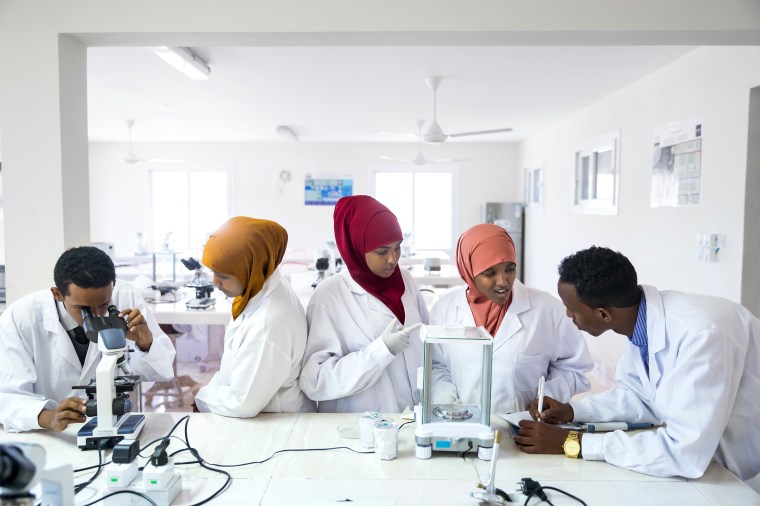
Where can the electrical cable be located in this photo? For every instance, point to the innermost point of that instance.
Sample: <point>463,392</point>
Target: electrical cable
<point>81,486</point>
<point>561,492</point>
<point>197,455</point>
<point>532,488</point>
<point>151,501</point>
<point>463,452</point>
<point>200,461</point>
<point>274,454</point>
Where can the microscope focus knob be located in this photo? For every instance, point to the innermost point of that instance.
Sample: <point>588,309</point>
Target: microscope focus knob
<point>121,405</point>
<point>92,408</point>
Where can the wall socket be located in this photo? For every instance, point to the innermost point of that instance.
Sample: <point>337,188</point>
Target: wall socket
<point>708,246</point>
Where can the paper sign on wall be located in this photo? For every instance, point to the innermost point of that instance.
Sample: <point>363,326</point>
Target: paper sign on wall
<point>677,164</point>
<point>326,190</point>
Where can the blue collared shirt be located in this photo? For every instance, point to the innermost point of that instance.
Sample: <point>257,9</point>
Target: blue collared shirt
<point>640,337</point>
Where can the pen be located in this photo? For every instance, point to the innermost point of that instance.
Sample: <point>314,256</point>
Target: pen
<point>610,426</point>
<point>540,397</point>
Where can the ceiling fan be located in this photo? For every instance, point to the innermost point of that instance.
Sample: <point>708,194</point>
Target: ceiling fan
<point>130,158</point>
<point>420,158</point>
<point>434,134</point>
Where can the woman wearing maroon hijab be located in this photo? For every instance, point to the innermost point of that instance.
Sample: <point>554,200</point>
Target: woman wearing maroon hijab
<point>363,350</point>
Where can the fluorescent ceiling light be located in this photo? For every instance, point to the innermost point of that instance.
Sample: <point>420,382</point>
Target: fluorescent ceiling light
<point>184,60</point>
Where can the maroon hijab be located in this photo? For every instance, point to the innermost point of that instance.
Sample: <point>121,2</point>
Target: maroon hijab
<point>363,224</point>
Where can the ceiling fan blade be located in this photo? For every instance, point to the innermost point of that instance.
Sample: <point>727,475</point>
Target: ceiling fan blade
<point>129,158</point>
<point>482,132</point>
<point>450,160</point>
<point>397,160</point>
<point>164,160</point>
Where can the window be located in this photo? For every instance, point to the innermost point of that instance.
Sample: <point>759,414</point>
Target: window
<point>187,205</point>
<point>424,204</point>
<point>533,188</point>
<point>596,175</point>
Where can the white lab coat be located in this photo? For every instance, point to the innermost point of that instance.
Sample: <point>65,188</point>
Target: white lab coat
<point>704,383</point>
<point>347,368</point>
<point>535,339</point>
<point>39,365</point>
<point>263,349</point>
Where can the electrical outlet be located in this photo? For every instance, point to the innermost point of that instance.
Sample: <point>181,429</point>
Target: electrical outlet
<point>708,246</point>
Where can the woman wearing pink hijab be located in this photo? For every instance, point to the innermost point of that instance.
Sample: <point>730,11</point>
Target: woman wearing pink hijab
<point>532,335</point>
<point>362,351</point>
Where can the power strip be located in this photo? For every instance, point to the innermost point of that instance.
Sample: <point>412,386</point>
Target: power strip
<point>162,497</point>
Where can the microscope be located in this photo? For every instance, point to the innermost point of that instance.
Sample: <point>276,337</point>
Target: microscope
<point>107,399</point>
<point>203,287</point>
<point>25,481</point>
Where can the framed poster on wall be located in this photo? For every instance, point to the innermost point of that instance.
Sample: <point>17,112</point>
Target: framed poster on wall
<point>326,189</point>
<point>677,164</point>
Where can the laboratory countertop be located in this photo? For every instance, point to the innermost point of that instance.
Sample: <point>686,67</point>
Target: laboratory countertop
<point>447,277</point>
<point>169,312</point>
<point>335,475</point>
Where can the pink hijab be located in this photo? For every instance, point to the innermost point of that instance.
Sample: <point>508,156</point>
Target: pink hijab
<point>479,248</point>
<point>363,224</point>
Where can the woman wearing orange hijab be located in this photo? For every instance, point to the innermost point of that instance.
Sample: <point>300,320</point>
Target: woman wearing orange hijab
<point>266,338</point>
<point>359,357</point>
<point>532,336</point>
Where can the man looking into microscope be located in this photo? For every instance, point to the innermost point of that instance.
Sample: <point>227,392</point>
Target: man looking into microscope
<point>44,351</point>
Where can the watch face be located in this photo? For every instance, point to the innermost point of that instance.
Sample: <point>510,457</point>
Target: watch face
<point>572,448</point>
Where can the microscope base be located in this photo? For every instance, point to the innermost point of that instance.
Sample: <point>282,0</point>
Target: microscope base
<point>90,438</point>
<point>204,303</point>
<point>160,497</point>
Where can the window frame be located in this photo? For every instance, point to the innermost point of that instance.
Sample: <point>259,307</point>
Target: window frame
<point>187,169</point>
<point>447,168</point>
<point>591,149</point>
<point>533,192</point>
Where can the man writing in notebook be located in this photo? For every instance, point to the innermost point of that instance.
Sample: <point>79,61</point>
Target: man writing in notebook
<point>692,366</point>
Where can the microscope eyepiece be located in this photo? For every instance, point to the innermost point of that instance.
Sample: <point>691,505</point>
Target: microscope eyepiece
<point>92,325</point>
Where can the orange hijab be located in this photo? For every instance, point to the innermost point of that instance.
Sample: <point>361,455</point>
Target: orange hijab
<point>250,250</point>
<point>478,249</point>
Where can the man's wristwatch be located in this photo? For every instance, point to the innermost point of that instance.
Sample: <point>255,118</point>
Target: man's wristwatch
<point>572,445</point>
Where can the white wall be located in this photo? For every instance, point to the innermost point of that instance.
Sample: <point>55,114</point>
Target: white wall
<point>120,203</point>
<point>713,82</point>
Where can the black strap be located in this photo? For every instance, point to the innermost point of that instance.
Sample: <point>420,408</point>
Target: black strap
<point>80,342</point>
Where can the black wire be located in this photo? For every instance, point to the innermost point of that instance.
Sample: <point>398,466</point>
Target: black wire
<point>197,455</point>
<point>81,486</point>
<point>280,451</point>
<point>538,489</point>
<point>462,453</point>
<point>151,501</point>
<point>104,464</point>
<point>404,424</point>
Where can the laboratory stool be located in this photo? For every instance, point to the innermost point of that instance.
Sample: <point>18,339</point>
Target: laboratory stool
<point>174,388</point>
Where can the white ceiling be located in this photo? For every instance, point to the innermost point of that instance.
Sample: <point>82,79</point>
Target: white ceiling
<point>347,94</point>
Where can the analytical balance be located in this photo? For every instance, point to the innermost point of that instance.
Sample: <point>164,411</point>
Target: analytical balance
<point>444,422</point>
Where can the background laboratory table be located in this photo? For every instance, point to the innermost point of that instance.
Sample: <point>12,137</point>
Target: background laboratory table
<point>177,312</point>
<point>327,477</point>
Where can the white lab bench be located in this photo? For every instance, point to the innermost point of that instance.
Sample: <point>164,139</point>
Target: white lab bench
<point>327,477</point>
<point>177,312</point>
<point>447,277</point>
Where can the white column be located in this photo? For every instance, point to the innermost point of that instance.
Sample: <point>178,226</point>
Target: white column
<point>43,125</point>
